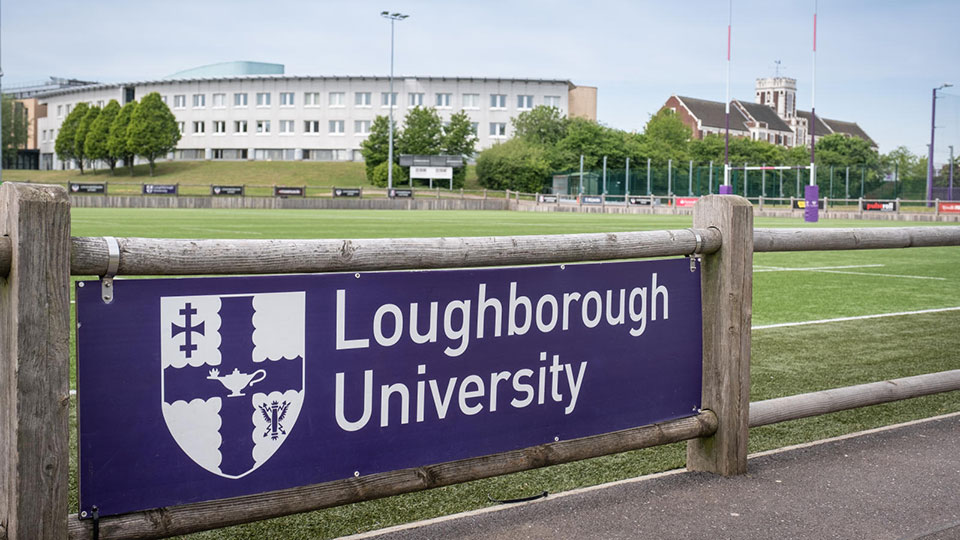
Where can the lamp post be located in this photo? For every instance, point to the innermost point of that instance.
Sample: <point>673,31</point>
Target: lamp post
<point>390,99</point>
<point>933,120</point>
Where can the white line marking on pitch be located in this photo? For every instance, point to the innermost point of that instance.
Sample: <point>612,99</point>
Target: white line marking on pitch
<point>881,275</point>
<point>812,268</point>
<point>857,318</point>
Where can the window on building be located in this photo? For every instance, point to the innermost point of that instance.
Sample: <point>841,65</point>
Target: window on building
<point>416,99</point>
<point>70,106</point>
<point>286,126</point>
<point>199,128</point>
<point>240,99</point>
<point>361,99</point>
<point>179,102</point>
<point>286,99</point>
<point>443,101</point>
<point>99,103</point>
<point>181,126</point>
<point>311,126</point>
<point>471,101</point>
<point>335,127</point>
<point>498,129</point>
<point>388,100</point>
<point>199,101</point>
<point>240,126</point>
<point>219,101</point>
<point>263,99</point>
<point>335,99</point>
<point>498,101</point>
<point>263,126</point>
<point>551,101</point>
<point>524,102</point>
<point>311,99</point>
<point>219,126</point>
<point>361,127</point>
<point>475,128</point>
<point>59,111</point>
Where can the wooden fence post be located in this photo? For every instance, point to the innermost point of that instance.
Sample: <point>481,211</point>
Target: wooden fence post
<point>34,362</point>
<point>727,295</point>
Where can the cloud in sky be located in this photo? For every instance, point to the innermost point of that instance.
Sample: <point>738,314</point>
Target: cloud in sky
<point>877,61</point>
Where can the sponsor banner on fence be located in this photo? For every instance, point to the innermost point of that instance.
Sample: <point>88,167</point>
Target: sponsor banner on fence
<point>401,193</point>
<point>87,188</point>
<point>198,389</point>
<point>279,191</point>
<point>591,199</point>
<point>879,206</point>
<point>160,189</point>
<point>226,190</point>
<point>640,201</point>
<point>347,192</point>
<point>686,202</point>
<point>547,198</point>
<point>801,204</point>
<point>950,207</point>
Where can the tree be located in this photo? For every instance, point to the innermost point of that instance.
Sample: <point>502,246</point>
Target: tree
<point>14,128</point>
<point>117,141</point>
<point>153,130</point>
<point>459,140</point>
<point>80,138</point>
<point>380,175</point>
<point>666,137</point>
<point>422,132</point>
<point>65,143</point>
<point>374,149</point>
<point>96,145</point>
<point>541,125</point>
<point>515,164</point>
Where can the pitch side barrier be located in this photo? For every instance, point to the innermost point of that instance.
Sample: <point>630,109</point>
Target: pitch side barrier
<point>38,256</point>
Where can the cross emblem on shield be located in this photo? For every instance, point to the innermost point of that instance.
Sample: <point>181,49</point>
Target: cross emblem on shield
<point>232,376</point>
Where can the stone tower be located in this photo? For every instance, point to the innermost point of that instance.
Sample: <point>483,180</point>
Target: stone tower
<point>778,93</point>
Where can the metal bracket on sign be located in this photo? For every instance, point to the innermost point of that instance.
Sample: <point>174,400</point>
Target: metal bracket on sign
<point>113,264</point>
<point>96,523</point>
<point>696,255</point>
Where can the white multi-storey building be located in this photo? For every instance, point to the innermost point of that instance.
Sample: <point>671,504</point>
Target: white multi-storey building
<point>279,117</point>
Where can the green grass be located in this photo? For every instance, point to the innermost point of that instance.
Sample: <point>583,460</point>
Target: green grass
<point>197,176</point>
<point>785,361</point>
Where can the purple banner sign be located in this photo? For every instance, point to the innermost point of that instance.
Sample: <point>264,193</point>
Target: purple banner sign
<point>811,210</point>
<point>198,389</point>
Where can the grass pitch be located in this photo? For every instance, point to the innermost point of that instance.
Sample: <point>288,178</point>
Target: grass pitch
<point>788,287</point>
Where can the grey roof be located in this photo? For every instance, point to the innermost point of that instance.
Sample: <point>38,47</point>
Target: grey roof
<point>849,128</point>
<point>713,113</point>
<point>765,114</point>
<point>821,128</point>
<point>108,86</point>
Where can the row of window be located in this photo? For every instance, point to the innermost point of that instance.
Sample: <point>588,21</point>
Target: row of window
<point>334,127</point>
<point>360,99</point>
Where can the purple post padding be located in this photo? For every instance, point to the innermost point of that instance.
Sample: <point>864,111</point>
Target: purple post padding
<point>726,190</point>
<point>811,213</point>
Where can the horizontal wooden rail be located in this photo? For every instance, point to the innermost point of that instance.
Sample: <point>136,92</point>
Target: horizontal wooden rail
<point>860,238</point>
<point>775,410</point>
<point>149,256</point>
<point>225,512</point>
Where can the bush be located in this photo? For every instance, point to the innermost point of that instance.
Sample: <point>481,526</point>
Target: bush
<point>516,165</point>
<point>380,175</point>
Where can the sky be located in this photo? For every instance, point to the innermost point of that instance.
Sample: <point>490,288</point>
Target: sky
<point>877,61</point>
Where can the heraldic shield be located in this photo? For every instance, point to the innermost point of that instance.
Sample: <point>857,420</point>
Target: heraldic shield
<point>232,376</point>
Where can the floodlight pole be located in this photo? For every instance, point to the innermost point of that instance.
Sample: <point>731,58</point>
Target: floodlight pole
<point>726,188</point>
<point>390,100</point>
<point>812,192</point>
<point>933,120</point>
<point>950,189</point>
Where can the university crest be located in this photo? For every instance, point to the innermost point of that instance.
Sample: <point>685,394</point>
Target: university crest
<point>232,376</point>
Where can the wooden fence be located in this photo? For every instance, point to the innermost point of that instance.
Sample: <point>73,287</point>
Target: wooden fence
<point>37,257</point>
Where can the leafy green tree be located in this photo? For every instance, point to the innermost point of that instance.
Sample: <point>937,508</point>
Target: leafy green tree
<point>80,138</point>
<point>375,148</point>
<point>14,127</point>
<point>153,131</point>
<point>541,125</point>
<point>422,132</point>
<point>65,144</point>
<point>666,137</point>
<point>96,145</point>
<point>515,164</point>
<point>380,175</point>
<point>459,140</point>
<point>117,144</point>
